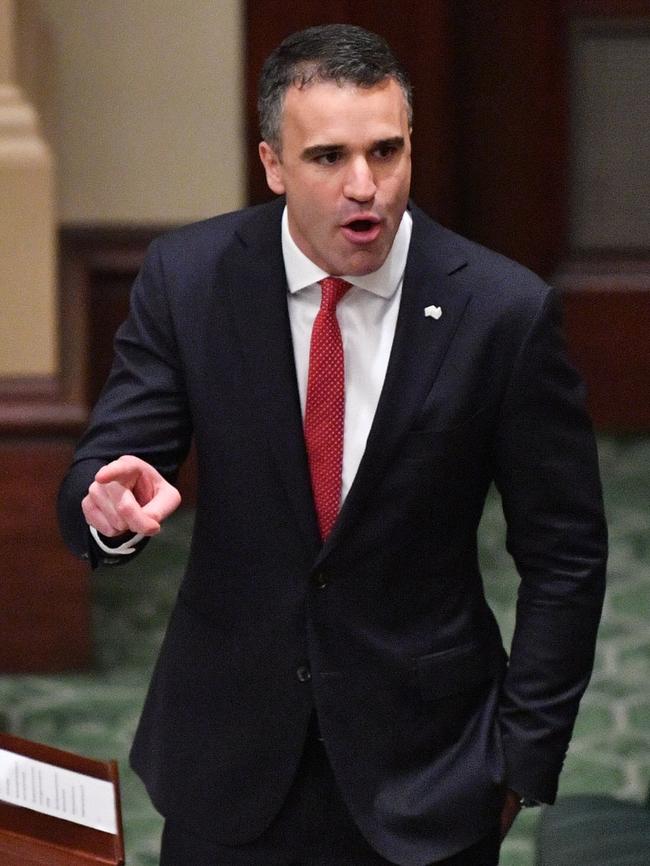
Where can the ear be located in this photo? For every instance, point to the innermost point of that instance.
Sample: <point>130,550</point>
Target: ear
<point>273,168</point>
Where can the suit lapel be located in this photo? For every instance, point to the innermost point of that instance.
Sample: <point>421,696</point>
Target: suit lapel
<point>419,347</point>
<point>254,273</point>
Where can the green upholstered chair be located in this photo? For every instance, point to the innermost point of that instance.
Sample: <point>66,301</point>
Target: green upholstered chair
<point>594,830</point>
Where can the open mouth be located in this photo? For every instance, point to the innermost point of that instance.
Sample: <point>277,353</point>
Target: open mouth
<point>361,225</point>
<point>363,230</point>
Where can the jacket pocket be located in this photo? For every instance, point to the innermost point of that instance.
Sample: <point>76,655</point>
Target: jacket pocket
<point>457,670</point>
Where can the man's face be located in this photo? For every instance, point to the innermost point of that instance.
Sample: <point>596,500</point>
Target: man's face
<point>345,168</point>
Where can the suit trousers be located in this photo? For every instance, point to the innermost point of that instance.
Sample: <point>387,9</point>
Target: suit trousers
<point>313,828</point>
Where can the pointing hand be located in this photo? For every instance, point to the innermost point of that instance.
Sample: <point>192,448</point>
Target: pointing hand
<point>129,495</point>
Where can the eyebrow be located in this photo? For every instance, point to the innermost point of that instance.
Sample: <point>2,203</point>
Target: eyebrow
<point>317,150</point>
<point>320,150</point>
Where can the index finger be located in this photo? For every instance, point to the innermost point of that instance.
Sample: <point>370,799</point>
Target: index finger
<point>124,469</point>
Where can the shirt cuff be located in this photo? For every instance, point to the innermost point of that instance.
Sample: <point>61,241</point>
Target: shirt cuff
<point>127,547</point>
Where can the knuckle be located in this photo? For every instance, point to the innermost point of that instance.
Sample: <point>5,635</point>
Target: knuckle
<point>123,509</point>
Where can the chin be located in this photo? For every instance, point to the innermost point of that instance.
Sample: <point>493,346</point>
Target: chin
<point>361,262</point>
<point>364,264</point>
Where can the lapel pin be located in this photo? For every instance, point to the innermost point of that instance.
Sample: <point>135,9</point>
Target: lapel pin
<point>433,312</point>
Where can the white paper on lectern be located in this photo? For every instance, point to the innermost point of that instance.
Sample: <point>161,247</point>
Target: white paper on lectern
<point>54,791</point>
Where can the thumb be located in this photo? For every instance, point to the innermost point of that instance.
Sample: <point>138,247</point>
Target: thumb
<point>164,502</point>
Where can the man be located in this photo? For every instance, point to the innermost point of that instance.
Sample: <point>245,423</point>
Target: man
<point>332,688</point>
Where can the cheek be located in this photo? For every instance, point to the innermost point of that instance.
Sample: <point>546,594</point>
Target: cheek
<point>318,208</point>
<point>398,181</point>
<point>310,221</point>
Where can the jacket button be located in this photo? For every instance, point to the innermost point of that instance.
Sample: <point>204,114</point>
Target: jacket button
<point>304,674</point>
<point>320,580</point>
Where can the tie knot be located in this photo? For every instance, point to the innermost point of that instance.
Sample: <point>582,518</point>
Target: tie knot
<point>333,289</point>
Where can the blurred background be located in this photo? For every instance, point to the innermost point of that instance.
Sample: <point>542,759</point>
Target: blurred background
<point>119,120</point>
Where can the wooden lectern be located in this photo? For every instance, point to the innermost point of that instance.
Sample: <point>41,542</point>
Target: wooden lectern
<point>30,838</point>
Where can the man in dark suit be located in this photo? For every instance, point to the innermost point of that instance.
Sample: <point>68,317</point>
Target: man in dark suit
<point>332,688</point>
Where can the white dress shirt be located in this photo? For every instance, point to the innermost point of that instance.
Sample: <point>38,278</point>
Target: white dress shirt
<point>367,316</point>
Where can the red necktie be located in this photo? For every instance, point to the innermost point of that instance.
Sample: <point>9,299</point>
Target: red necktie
<point>324,411</point>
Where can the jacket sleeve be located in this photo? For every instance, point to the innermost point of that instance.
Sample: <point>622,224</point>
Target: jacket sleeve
<point>548,478</point>
<point>142,409</point>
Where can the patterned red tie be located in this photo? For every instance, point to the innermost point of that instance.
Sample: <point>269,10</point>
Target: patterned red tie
<point>324,411</point>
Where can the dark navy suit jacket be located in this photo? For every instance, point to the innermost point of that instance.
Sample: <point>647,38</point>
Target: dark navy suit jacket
<point>384,630</point>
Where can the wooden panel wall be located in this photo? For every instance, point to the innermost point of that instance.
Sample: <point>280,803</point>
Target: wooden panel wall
<point>512,97</point>
<point>607,320</point>
<point>44,591</point>
<point>98,267</point>
<point>607,293</point>
<point>44,612</point>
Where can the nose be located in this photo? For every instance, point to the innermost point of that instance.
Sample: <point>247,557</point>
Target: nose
<point>359,181</point>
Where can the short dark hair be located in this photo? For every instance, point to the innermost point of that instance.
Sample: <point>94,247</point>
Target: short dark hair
<point>343,53</point>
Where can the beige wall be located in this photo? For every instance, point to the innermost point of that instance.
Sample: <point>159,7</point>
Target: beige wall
<point>142,101</point>
<point>6,42</point>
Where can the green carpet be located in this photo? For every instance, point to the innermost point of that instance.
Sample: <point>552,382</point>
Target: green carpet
<point>95,713</point>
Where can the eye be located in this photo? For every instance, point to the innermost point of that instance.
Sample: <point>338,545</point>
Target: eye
<point>385,150</point>
<point>330,157</point>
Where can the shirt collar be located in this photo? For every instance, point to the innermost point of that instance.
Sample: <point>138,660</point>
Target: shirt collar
<point>302,272</point>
